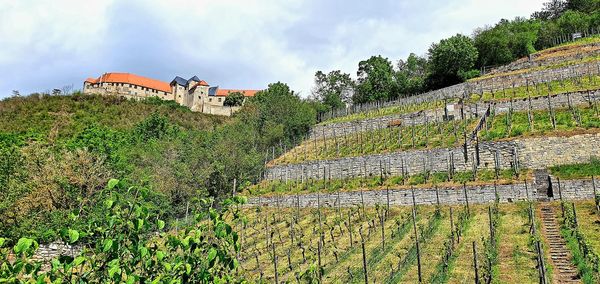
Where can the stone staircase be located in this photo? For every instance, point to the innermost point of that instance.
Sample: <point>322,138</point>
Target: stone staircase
<point>564,270</point>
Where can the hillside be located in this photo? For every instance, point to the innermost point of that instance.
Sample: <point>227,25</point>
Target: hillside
<point>59,151</point>
<point>520,137</point>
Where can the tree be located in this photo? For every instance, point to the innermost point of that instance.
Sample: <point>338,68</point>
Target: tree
<point>451,60</point>
<point>552,10</point>
<point>234,99</point>
<point>506,41</point>
<point>280,114</point>
<point>375,80</point>
<point>573,21</point>
<point>585,6</point>
<point>333,89</point>
<point>410,76</point>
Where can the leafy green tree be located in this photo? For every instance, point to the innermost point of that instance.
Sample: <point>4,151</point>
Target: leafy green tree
<point>551,10</point>
<point>333,89</point>
<point>411,74</point>
<point>234,99</point>
<point>375,80</point>
<point>450,60</point>
<point>281,114</point>
<point>573,21</point>
<point>585,6</point>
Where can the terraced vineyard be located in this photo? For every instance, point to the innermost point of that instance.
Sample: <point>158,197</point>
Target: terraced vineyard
<point>327,243</point>
<point>531,127</point>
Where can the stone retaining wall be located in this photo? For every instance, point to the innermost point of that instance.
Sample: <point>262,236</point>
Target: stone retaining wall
<point>494,84</point>
<point>571,190</point>
<point>532,153</point>
<point>538,103</point>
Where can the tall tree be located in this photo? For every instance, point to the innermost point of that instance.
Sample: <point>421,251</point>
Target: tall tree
<point>234,99</point>
<point>375,80</point>
<point>333,89</point>
<point>451,61</point>
<point>410,76</point>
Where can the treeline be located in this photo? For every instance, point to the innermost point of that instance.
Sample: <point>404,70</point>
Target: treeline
<point>58,152</point>
<point>458,58</point>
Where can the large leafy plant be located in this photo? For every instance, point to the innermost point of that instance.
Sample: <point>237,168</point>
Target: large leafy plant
<point>130,244</point>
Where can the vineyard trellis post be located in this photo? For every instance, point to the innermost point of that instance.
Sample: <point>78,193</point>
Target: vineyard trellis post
<point>364,256</point>
<point>562,204</point>
<point>596,197</point>
<point>475,267</point>
<point>414,219</point>
<point>274,258</point>
<point>466,198</point>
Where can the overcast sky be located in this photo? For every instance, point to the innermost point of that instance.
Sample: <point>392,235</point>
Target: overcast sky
<point>47,44</point>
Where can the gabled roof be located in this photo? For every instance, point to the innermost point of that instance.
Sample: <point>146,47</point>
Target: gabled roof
<point>179,81</point>
<point>226,92</point>
<point>212,91</point>
<point>132,79</point>
<point>195,79</point>
<point>203,83</point>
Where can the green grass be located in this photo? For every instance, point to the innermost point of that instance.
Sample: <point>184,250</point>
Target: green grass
<point>577,170</point>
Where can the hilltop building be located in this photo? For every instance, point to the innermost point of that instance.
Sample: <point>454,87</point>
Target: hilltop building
<point>194,93</point>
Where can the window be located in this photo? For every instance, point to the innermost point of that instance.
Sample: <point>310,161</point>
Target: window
<point>210,99</point>
<point>219,99</point>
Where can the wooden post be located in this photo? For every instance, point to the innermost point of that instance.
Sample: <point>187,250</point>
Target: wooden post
<point>491,224</point>
<point>596,197</point>
<point>550,112</point>
<point>364,256</point>
<point>562,205</point>
<point>466,198</point>
<point>414,212</point>
<point>575,215</point>
<point>452,226</point>
<point>437,196</point>
<point>475,263</point>
<point>274,259</point>
<point>387,192</point>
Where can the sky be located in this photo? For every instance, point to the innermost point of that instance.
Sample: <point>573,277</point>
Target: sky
<point>236,44</point>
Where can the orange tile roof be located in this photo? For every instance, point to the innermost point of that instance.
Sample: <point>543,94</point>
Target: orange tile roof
<point>132,79</point>
<point>203,83</point>
<point>226,92</point>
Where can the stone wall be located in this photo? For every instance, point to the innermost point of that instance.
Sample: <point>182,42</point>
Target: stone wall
<point>571,190</point>
<point>587,50</point>
<point>492,84</point>
<point>531,153</point>
<point>428,116</point>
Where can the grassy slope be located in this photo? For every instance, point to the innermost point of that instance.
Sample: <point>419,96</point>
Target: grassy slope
<point>63,116</point>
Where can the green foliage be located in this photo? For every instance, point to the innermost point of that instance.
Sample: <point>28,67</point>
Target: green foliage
<point>586,259</point>
<point>333,89</point>
<point>57,152</point>
<point>234,99</point>
<point>375,80</point>
<point>574,171</point>
<point>449,59</point>
<point>410,75</point>
<point>127,248</point>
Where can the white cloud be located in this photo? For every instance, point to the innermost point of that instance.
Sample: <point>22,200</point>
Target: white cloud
<point>232,43</point>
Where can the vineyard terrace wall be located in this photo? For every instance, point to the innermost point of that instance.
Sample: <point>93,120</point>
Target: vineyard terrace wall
<point>492,84</point>
<point>531,153</point>
<point>429,116</point>
<point>570,190</point>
